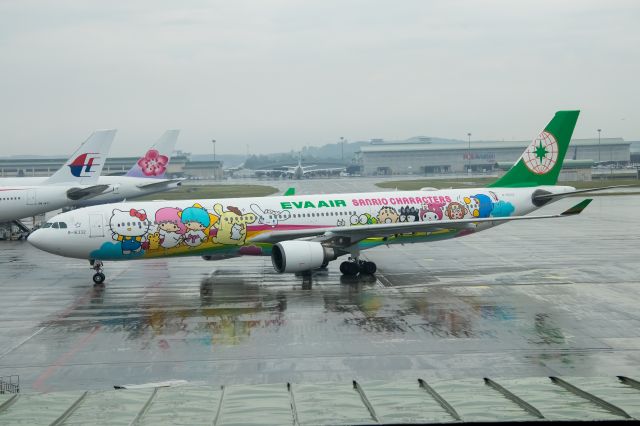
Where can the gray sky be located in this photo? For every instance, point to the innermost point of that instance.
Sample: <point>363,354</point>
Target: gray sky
<point>278,75</point>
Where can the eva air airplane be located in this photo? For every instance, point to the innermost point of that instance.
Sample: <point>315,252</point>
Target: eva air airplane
<point>302,233</point>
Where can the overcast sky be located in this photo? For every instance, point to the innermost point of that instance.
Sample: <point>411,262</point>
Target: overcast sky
<point>279,75</point>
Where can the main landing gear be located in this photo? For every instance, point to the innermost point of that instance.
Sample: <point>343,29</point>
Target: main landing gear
<point>354,266</point>
<point>98,277</point>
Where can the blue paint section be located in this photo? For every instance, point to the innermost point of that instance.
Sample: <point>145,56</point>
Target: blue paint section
<point>502,209</point>
<point>113,251</point>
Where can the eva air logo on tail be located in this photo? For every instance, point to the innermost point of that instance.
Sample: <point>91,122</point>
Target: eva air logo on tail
<point>542,154</point>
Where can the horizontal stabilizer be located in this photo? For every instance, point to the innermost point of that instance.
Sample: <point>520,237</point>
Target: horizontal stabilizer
<point>162,183</point>
<point>550,196</point>
<point>86,192</point>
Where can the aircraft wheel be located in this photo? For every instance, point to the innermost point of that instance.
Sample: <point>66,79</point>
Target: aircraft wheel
<point>349,268</point>
<point>98,278</point>
<point>368,268</point>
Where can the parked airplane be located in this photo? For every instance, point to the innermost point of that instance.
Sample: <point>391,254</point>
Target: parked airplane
<point>76,180</point>
<point>302,233</point>
<point>147,176</point>
<point>299,171</point>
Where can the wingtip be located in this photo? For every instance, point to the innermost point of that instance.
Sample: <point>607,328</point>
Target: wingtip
<point>578,208</point>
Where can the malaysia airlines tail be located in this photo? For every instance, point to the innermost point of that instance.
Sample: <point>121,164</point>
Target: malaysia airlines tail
<point>154,163</point>
<point>86,163</point>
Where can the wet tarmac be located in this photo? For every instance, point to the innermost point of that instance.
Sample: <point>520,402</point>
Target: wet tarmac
<point>557,297</point>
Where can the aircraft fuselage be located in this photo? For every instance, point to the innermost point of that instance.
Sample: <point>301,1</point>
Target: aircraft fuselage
<point>226,227</point>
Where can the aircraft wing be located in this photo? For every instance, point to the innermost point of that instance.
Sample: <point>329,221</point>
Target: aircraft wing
<point>86,192</point>
<point>353,234</point>
<point>160,184</point>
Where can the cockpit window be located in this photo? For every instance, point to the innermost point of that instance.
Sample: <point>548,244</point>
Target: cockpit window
<point>55,225</point>
<point>62,225</point>
<point>47,225</point>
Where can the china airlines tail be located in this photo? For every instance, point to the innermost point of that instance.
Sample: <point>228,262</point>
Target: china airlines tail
<point>86,163</point>
<point>154,163</point>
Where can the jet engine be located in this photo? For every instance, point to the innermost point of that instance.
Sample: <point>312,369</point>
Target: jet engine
<point>300,256</point>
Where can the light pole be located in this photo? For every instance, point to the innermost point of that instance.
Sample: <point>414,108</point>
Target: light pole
<point>599,130</point>
<point>342,148</point>
<point>213,141</point>
<point>469,154</point>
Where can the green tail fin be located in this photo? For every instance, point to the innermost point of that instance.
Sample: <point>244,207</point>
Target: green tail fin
<point>541,162</point>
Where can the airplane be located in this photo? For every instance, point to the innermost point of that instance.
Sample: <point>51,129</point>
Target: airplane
<point>147,176</point>
<point>76,180</point>
<point>299,171</point>
<point>306,232</point>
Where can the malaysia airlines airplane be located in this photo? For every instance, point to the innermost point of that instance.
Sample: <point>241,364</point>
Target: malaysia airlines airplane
<point>75,180</point>
<point>302,233</point>
<point>147,176</point>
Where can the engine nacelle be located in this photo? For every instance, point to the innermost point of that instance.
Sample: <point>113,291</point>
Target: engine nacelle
<point>300,256</point>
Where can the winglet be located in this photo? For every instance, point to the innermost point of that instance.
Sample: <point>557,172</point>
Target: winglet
<point>577,209</point>
<point>290,191</point>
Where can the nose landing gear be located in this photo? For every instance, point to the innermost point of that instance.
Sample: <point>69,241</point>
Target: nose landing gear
<point>98,277</point>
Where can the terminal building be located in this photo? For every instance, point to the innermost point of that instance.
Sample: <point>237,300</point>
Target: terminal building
<point>423,156</point>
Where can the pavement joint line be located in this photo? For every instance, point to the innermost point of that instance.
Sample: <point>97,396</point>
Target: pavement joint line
<point>25,340</point>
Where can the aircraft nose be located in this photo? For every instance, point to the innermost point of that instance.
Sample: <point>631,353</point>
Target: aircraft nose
<point>39,240</point>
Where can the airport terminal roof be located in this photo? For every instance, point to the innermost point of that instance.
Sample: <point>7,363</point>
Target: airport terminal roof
<point>507,401</point>
<point>449,146</point>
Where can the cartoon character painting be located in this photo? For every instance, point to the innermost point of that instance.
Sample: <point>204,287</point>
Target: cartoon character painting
<point>153,242</point>
<point>456,210</point>
<point>195,220</point>
<point>388,215</point>
<point>170,226</point>
<point>129,227</point>
<point>431,212</point>
<point>362,219</point>
<point>232,225</point>
<point>270,217</point>
<point>409,214</point>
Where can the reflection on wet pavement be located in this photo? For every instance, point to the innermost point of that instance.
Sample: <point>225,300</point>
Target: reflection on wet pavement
<point>510,302</point>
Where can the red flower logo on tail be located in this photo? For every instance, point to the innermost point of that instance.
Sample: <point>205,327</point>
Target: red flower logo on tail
<point>153,163</point>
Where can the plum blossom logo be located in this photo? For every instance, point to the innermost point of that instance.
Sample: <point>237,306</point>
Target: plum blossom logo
<point>153,163</point>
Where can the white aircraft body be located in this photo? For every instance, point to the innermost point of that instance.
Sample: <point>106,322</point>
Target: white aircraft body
<point>302,233</point>
<point>147,176</point>
<point>77,179</point>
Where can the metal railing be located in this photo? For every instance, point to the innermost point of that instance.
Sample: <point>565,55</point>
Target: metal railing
<point>9,384</point>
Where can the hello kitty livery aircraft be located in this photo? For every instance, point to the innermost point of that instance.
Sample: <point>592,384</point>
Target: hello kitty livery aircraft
<point>302,233</point>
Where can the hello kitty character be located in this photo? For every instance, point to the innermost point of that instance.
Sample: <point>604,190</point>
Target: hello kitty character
<point>129,227</point>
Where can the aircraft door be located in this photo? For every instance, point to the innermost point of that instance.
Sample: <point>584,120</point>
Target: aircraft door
<point>96,225</point>
<point>31,197</point>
